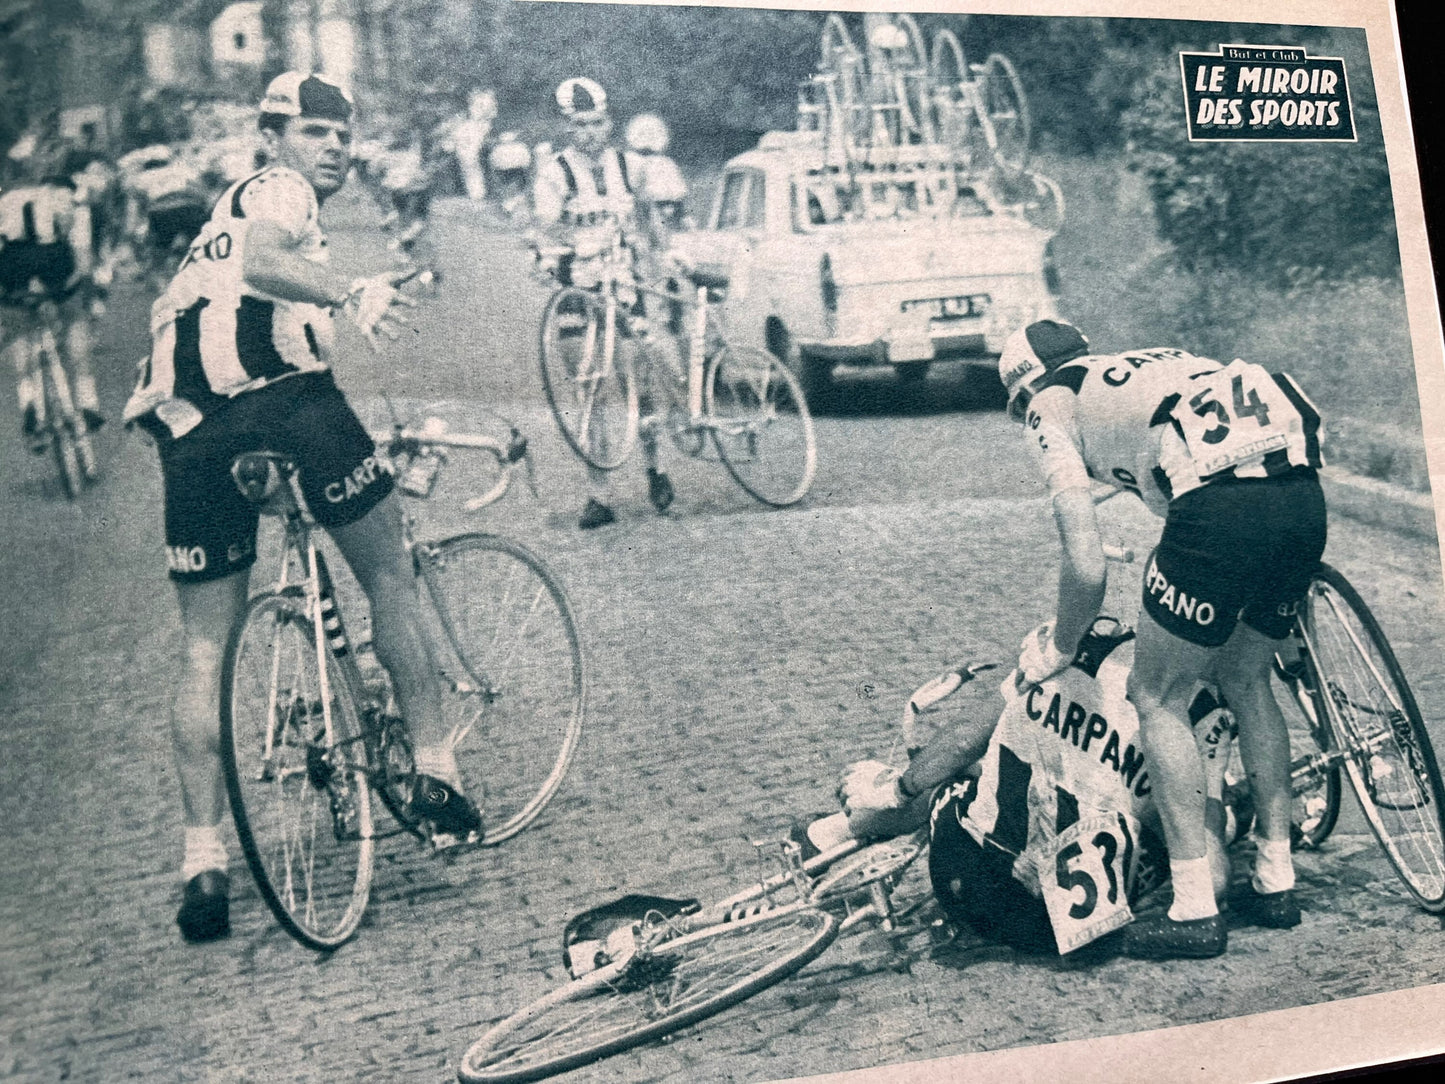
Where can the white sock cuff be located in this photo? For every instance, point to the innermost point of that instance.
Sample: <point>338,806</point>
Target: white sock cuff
<point>1193,889</point>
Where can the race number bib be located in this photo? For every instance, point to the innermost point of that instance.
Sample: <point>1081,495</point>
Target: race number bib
<point>1084,879</point>
<point>1235,415</point>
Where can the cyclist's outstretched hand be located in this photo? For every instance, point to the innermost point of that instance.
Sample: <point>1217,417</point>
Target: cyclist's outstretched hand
<point>377,307</point>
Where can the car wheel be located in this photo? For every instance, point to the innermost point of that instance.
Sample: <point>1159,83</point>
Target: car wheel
<point>816,375</point>
<point>912,372</point>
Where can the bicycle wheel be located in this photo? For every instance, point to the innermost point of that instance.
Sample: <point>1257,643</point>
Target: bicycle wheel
<point>593,397</point>
<point>300,802</point>
<point>1362,691</point>
<point>1007,113</point>
<point>510,652</point>
<point>760,424</point>
<point>67,460</point>
<point>947,74</point>
<point>668,987</point>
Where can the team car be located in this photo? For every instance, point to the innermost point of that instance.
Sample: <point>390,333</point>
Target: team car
<point>899,225</point>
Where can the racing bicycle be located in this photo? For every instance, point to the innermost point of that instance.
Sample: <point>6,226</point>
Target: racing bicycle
<point>742,402</point>
<point>677,962</point>
<point>309,729</point>
<point>1351,714</point>
<point>61,428</point>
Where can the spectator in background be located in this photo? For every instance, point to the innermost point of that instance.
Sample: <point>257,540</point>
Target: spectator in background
<point>511,162</point>
<point>661,182</point>
<point>469,136</point>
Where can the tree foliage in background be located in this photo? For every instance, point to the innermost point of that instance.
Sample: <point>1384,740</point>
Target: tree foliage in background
<point>1287,212</point>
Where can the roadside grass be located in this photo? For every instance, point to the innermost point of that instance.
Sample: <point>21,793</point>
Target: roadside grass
<point>1346,343</point>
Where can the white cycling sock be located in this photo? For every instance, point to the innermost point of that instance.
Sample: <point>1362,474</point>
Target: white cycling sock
<point>204,851</point>
<point>1273,866</point>
<point>1193,889</point>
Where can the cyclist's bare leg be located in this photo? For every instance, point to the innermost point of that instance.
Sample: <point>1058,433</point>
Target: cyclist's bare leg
<point>374,550</point>
<point>1243,673</point>
<point>77,352</point>
<point>1161,683</point>
<point>27,381</point>
<point>208,611</point>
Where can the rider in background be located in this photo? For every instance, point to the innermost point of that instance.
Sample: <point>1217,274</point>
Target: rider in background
<point>581,197</point>
<point>45,238</point>
<point>466,138</point>
<point>166,205</point>
<point>647,137</point>
<point>240,361</point>
<point>510,162</point>
<point>1228,455</point>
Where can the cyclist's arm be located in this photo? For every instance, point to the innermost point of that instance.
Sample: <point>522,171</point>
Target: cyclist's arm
<point>79,239</point>
<point>1054,435</point>
<point>945,757</point>
<point>273,265</point>
<point>549,198</point>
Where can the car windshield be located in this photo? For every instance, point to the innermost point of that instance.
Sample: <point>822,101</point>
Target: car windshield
<point>742,202</point>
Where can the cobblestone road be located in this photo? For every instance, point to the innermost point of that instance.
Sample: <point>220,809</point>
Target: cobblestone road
<point>740,657</point>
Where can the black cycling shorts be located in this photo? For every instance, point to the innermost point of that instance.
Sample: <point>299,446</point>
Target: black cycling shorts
<point>21,261</point>
<point>210,527</point>
<point>975,885</point>
<point>1237,549</point>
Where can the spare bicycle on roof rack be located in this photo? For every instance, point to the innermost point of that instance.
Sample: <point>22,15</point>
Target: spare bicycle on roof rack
<point>899,224</point>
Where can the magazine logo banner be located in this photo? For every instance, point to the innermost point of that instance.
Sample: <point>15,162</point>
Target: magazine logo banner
<point>1266,92</point>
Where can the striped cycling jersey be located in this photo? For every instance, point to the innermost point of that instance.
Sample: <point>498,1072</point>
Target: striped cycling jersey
<point>214,336</point>
<point>1161,422</point>
<point>37,214</point>
<point>581,191</point>
<point>1064,750</point>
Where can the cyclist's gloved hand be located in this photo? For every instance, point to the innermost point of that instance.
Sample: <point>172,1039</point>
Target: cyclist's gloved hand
<point>873,799</point>
<point>871,784</point>
<point>1039,657</point>
<point>373,304</point>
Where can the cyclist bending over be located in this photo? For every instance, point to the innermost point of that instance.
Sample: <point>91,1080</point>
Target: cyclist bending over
<point>45,236</point>
<point>242,339</point>
<point>580,197</point>
<point>1228,455</point>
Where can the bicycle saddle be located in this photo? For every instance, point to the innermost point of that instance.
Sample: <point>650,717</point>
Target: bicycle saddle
<point>260,476</point>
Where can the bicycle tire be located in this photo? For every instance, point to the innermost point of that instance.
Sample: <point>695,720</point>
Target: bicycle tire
<point>1007,113</point>
<point>516,669</point>
<point>750,397</point>
<point>665,989</point>
<point>947,71</point>
<point>67,461</point>
<point>301,805</point>
<point>1360,688</point>
<point>571,330</point>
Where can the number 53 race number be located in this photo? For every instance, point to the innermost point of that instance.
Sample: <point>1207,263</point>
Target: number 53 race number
<point>1084,879</point>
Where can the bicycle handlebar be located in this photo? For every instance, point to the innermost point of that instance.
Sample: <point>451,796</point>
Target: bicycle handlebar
<point>433,436</point>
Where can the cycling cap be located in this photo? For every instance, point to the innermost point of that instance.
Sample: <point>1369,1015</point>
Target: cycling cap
<point>297,94</point>
<point>647,134</point>
<point>581,96</point>
<point>1034,352</point>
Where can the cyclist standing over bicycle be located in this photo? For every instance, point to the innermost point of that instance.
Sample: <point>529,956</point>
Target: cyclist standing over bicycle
<point>1228,455</point>
<point>45,236</point>
<point>240,362</point>
<point>580,197</point>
